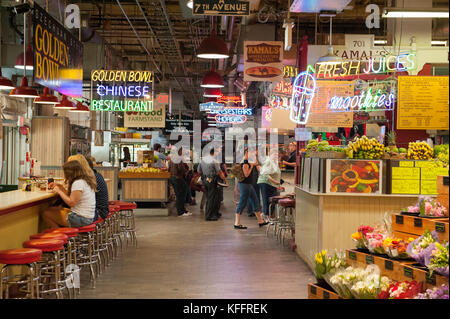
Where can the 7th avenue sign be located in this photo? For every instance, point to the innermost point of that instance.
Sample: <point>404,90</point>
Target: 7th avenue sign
<point>221,7</point>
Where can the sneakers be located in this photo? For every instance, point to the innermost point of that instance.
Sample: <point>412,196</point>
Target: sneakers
<point>185,214</point>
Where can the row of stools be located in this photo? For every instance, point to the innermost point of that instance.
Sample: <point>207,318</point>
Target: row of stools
<point>284,221</point>
<point>50,263</point>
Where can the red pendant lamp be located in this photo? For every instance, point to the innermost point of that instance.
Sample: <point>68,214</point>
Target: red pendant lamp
<point>65,104</point>
<point>212,79</point>
<point>5,84</point>
<point>28,65</point>
<point>46,98</point>
<point>80,108</point>
<point>213,48</point>
<point>24,90</point>
<point>211,99</point>
<point>212,92</point>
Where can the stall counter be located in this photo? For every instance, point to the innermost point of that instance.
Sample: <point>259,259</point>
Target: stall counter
<point>144,187</point>
<point>327,220</point>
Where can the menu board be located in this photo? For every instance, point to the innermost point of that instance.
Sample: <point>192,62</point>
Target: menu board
<point>423,103</point>
<point>320,115</point>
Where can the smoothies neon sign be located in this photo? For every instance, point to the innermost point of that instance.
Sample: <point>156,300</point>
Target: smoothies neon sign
<point>367,101</point>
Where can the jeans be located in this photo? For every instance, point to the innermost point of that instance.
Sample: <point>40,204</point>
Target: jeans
<point>75,220</point>
<point>267,191</point>
<point>257,191</point>
<point>212,199</point>
<point>179,185</point>
<point>248,195</point>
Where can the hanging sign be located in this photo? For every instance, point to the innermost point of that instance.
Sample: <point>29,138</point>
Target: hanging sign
<point>186,124</point>
<point>234,111</point>
<point>211,106</point>
<point>230,119</point>
<point>221,7</point>
<point>290,71</point>
<point>303,92</point>
<point>302,134</point>
<point>263,61</point>
<point>230,100</point>
<point>154,118</point>
<point>58,55</point>
<point>423,103</point>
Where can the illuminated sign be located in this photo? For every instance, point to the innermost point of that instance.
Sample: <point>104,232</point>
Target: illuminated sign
<point>304,88</point>
<point>121,76</point>
<point>366,101</point>
<point>283,87</point>
<point>58,55</point>
<point>211,106</point>
<point>231,119</point>
<point>280,102</point>
<point>122,90</point>
<point>122,106</point>
<point>385,64</point>
<point>229,99</point>
<point>290,71</point>
<point>234,111</point>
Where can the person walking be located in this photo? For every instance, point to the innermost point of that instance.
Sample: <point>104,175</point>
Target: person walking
<point>247,192</point>
<point>269,180</point>
<point>177,178</point>
<point>210,171</point>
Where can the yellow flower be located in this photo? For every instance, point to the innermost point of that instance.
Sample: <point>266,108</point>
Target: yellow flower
<point>324,252</point>
<point>410,239</point>
<point>356,236</point>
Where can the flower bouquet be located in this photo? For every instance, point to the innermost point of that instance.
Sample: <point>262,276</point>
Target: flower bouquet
<point>420,247</point>
<point>428,207</point>
<point>345,278</point>
<point>437,259</point>
<point>325,266</point>
<point>435,293</point>
<point>371,286</point>
<point>402,290</point>
<point>360,236</point>
<point>396,248</point>
<point>375,243</point>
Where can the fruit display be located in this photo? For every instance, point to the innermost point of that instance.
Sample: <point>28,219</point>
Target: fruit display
<point>141,170</point>
<point>365,148</point>
<point>420,151</point>
<point>441,155</point>
<point>322,146</point>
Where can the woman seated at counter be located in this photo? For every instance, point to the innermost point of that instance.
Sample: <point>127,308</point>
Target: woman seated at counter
<point>269,180</point>
<point>80,197</point>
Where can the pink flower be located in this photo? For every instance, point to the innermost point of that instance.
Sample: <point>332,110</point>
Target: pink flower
<point>428,208</point>
<point>413,209</point>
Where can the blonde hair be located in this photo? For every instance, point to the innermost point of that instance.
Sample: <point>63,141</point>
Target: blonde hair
<point>86,168</point>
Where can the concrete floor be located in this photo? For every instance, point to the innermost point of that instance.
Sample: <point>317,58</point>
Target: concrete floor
<point>187,257</point>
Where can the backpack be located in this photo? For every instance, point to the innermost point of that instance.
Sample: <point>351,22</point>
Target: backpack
<point>237,172</point>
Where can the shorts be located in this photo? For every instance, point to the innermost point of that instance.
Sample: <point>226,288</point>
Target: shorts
<point>76,220</point>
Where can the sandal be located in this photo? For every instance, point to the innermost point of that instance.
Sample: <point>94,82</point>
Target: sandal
<point>263,224</point>
<point>240,227</point>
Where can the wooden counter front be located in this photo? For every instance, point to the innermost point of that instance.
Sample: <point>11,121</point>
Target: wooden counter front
<point>144,187</point>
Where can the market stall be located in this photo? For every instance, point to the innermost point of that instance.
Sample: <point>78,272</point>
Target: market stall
<point>144,186</point>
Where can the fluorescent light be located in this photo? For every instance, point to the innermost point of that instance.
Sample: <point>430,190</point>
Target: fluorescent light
<point>417,13</point>
<point>438,42</point>
<point>379,41</point>
<point>190,4</point>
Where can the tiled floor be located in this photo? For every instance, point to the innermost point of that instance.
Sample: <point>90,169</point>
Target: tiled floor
<point>187,257</point>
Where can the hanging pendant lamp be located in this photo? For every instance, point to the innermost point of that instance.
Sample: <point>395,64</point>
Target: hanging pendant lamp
<point>65,104</point>
<point>28,65</point>
<point>5,84</point>
<point>46,98</point>
<point>190,4</point>
<point>330,57</point>
<point>212,79</point>
<point>24,90</point>
<point>212,92</point>
<point>213,48</point>
<point>80,108</point>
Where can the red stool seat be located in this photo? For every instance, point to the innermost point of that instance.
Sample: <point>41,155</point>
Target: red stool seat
<point>287,202</point>
<point>123,205</point>
<point>46,245</point>
<point>69,231</point>
<point>20,256</point>
<point>99,220</point>
<point>86,229</point>
<point>59,236</point>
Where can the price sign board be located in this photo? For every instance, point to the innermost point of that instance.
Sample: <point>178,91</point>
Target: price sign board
<point>221,7</point>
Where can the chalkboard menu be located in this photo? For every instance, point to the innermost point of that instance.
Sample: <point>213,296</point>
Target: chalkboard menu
<point>423,103</point>
<point>414,177</point>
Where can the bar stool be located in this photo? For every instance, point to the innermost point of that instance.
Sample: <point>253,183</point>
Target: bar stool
<point>20,257</point>
<point>114,238</point>
<point>286,217</point>
<point>86,256</point>
<point>274,222</point>
<point>49,265</point>
<point>127,224</point>
<point>101,248</point>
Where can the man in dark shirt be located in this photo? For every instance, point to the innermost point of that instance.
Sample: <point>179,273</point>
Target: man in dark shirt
<point>101,196</point>
<point>177,177</point>
<point>292,161</point>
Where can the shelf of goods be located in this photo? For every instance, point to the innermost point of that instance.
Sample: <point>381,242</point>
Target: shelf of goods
<point>144,186</point>
<point>405,227</point>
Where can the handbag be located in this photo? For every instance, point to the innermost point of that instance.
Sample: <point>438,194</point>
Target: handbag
<point>237,172</point>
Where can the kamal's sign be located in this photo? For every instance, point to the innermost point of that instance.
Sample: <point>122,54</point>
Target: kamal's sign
<point>221,7</point>
<point>263,61</point>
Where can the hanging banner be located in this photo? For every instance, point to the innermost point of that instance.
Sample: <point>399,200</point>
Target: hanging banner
<point>155,118</point>
<point>423,103</point>
<point>58,55</point>
<point>263,61</point>
<point>221,7</point>
<point>320,115</point>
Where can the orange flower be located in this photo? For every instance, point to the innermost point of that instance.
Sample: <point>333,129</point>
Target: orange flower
<point>356,236</point>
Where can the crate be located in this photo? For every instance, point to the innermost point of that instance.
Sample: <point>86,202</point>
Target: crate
<point>319,291</point>
<point>442,190</point>
<point>410,272</point>
<point>417,225</point>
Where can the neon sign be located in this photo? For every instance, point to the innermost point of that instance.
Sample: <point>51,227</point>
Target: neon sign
<point>229,99</point>
<point>233,111</point>
<point>123,90</point>
<point>211,106</point>
<point>122,106</point>
<point>280,102</point>
<point>303,92</point>
<point>366,101</point>
<point>231,119</point>
<point>385,64</point>
<point>290,71</point>
<point>121,76</point>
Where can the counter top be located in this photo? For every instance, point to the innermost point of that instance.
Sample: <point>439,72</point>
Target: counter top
<point>126,175</point>
<point>354,194</point>
<point>16,200</point>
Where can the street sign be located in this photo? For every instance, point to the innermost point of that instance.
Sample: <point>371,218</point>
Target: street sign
<point>221,7</point>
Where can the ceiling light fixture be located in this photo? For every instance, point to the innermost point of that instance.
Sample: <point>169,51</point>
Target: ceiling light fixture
<point>213,48</point>
<point>24,90</point>
<point>212,79</point>
<point>379,41</point>
<point>80,108</point>
<point>46,98</point>
<point>212,92</point>
<point>28,59</point>
<point>436,42</point>
<point>415,13</point>
<point>5,84</point>
<point>190,4</point>
<point>330,58</point>
<point>65,104</point>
